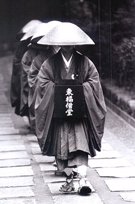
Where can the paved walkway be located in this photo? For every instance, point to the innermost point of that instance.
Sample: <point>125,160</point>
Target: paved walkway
<point>27,177</point>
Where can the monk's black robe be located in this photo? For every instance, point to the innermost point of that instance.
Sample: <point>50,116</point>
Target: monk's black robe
<point>15,88</point>
<point>64,138</point>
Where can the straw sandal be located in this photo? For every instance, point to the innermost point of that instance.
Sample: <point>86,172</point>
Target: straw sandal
<point>68,186</point>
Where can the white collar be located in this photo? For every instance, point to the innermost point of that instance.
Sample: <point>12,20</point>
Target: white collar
<point>67,62</point>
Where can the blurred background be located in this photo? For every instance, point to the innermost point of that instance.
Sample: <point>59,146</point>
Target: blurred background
<point>110,23</point>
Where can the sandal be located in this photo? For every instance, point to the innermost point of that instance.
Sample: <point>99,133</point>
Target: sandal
<point>84,188</point>
<point>68,186</point>
<point>75,175</point>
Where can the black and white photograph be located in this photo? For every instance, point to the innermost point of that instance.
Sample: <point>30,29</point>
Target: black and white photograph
<point>67,102</point>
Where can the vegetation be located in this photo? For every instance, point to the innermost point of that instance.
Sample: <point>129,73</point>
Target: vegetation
<point>111,24</point>
<point>123,44</point>
<point>124,62</point>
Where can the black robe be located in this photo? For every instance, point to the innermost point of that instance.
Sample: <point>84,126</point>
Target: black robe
<point>47,127</point>
<point>15,88</point>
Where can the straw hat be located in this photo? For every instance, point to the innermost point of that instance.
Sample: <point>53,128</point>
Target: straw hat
<point>31,29</point>
<point>44,28</point>
<point>66,34</point>
<point>30,25</point>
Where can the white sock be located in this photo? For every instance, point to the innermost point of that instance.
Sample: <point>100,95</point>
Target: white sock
<point>82,170</point>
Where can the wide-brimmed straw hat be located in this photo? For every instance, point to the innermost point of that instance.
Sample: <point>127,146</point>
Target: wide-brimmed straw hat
<point>26,28</point>
<point>44,28</point>
<point>66,34</point>
<point>32,27</point>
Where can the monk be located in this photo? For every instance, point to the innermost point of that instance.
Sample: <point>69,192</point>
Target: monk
<point>27,59</point>
<point>43,54</point>
<point>15,88</point>
<point>22,47</point>
<point>70,140</point>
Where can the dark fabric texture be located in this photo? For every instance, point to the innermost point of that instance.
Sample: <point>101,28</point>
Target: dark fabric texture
<point>32,81</point>
<point>27,59</point>
<point>15,88</point>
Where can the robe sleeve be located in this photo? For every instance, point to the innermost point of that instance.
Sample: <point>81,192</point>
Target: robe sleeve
<point>94,101</point>
<point>26,63</point>
<point>34,69</point>
<point>33,76</point>
<point>44,104</point>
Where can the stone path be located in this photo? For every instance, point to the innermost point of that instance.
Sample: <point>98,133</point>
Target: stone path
<point>27,177</point>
